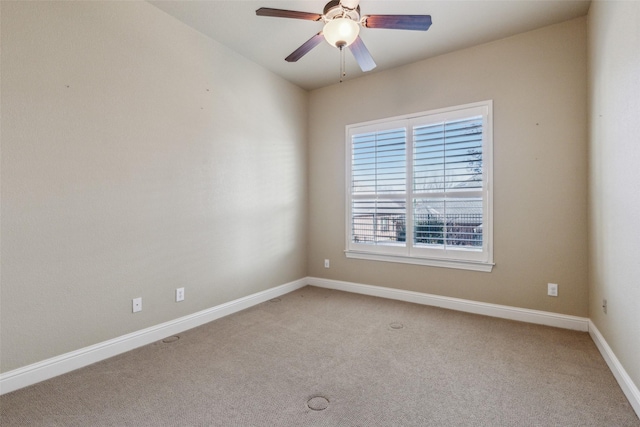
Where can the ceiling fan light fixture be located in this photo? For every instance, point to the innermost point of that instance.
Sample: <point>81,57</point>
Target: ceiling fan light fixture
<point>341,32</point>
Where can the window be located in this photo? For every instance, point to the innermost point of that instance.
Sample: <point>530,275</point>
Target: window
<point>419,188</point>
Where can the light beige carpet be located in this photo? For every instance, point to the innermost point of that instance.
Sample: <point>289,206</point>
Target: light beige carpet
<point>317,357</point>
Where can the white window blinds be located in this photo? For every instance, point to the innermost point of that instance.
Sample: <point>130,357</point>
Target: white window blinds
<point>378,186</point>
<point>447,183</point>
<point>419,188</point>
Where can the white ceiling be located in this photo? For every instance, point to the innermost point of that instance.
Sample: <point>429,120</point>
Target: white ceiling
<point>457,24</point>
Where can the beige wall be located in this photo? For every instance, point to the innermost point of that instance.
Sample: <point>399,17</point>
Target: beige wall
<point>614,177</point>
<point>537,81</point>
<point>138,156</point>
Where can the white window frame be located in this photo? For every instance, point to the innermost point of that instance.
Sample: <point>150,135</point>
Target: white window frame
<point>477,260</point>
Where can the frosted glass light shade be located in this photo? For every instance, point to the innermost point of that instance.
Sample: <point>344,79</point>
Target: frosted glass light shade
<point>341,32</point>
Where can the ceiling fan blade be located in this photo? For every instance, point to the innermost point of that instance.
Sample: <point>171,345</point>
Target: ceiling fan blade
<point>305,48</point>
<point>362,55</point>
<point>399,22</point>
<point>281,13</point>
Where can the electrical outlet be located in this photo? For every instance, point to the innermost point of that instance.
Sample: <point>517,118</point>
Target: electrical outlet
<point>179,294</point>
<point>137,304</point>
<point>552,289</point>
<point>326,263</point>
<point>604,306</point>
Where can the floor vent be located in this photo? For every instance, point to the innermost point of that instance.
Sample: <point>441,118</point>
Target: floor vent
<point>318,403</point>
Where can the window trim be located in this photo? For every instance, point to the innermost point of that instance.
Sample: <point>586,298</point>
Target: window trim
<point>409,254</point>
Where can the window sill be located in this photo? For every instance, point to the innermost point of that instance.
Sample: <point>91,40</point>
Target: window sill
<point>445,263</point>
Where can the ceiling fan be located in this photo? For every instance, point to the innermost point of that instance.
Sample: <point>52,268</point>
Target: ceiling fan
<point>342,26</point>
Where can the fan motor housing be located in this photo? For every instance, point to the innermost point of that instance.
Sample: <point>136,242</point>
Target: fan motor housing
<point>333,10</point>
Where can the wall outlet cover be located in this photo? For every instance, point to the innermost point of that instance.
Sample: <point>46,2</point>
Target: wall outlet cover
<point>137,304</point>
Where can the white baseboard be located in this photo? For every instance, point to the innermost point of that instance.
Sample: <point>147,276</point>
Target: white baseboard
<point>626,384</point>
<point>40,371</point>
<point>506,312</point>
<point>486,309</point>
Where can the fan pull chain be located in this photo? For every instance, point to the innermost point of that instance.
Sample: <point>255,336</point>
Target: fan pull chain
<point>343,71</point>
